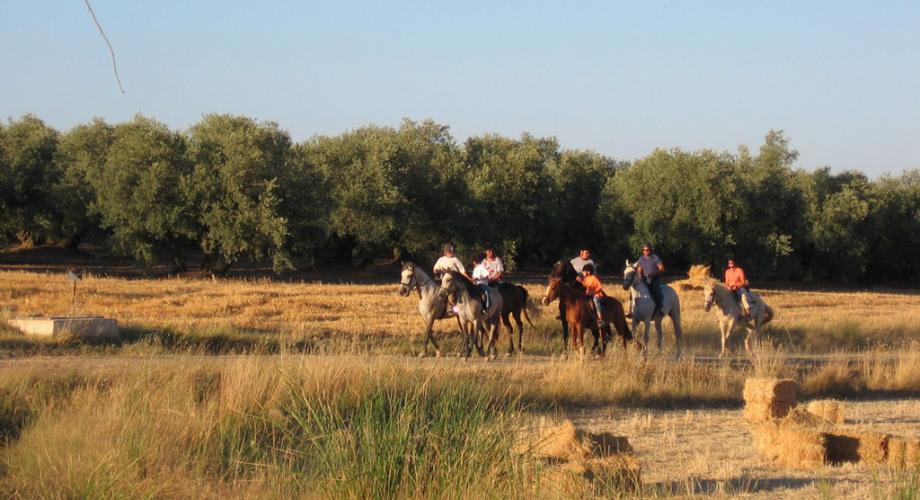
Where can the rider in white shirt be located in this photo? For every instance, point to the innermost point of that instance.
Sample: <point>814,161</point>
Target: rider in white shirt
<point>481,279</point>
<point>494,265</point>
<point>448,261</point>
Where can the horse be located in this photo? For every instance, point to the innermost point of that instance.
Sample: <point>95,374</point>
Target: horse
<point>579,316</point>
<point>514,302</point>
<point>565,271</point>
<point>644,307</point>
<point>730,314</point>
<point>431,305</point>
<point>470,313</point>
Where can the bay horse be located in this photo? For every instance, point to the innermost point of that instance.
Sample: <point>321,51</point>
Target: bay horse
<point>430,304</point>
<point>470,312</point>
<point>578,316</point>
<point>565,271</point>
<point>731,315</point>
<point>514,303</point>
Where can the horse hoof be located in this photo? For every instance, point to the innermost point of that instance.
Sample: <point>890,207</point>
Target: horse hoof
<point>422,354</point>
<point>438,354</point>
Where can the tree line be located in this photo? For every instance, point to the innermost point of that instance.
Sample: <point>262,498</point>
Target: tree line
<point>232,189</point>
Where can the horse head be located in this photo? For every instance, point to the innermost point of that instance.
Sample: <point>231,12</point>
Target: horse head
<point>709,295</point>
<point>552,290</point>
<point>407,279</point>
<point>629,275</point>
<point>565,270</point>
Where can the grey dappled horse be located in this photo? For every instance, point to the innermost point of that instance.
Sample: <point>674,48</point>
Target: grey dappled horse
<point>643,306</point>
<point>431,305</point>
<point>469,311</point>
<point>731,315</point>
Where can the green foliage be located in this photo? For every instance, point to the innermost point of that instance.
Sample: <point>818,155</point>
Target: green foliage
<point>394,189</point>
<point>137,190</point>
<point>512,193</point>
<point>27,177</point>
<point>81,157</point>
<point>686,204</point>
<point>234,189</point>
<point>238,189</point>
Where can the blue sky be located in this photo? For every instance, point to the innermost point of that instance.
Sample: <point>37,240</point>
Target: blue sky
<point>841,78</point>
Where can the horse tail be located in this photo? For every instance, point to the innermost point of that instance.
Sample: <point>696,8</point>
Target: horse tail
<point>525,301</point>
<point>619,320</point>
<point>767,314</point>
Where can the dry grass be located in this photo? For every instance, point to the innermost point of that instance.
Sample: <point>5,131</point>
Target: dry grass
<point>240,314</point>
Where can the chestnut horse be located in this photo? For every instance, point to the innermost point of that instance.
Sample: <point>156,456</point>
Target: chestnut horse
<point>578,316</point>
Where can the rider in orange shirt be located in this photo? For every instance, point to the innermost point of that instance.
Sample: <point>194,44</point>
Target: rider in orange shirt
<point>737,283</point>
<point>594,289</point>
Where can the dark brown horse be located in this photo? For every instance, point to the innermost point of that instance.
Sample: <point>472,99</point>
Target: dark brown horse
<point>514,302</point>
<point>578,315</point>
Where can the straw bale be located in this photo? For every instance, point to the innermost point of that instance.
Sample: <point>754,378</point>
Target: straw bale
<point>829,410</point>
<point>802,418</point>
<point>790,445</point>
<point>770,389</point>
<point>762,411</point>
<point>856,446</point>
<point>559,443</point>
<point>897,453</point>
<point>564,442</point>
<point>912,452</point>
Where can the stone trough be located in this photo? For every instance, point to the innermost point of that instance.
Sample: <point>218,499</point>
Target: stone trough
<point>85,327</point>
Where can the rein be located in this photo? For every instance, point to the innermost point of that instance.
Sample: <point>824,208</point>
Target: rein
<point>417,286</point>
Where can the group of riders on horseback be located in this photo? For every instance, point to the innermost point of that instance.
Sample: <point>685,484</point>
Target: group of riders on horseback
<point>650,300</point>
<point>488,271</point>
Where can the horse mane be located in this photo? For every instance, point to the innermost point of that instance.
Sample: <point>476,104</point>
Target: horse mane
<point>472,289</point>
<point>564,270</point>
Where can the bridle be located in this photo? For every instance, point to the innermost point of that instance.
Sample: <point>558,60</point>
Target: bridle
<point>707,302</point>
<point>413,283</point>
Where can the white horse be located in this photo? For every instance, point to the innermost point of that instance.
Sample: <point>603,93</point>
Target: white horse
<point>431,305</point>
<point>470,312</point>
<point>731,315</point>
<point>643,306</point>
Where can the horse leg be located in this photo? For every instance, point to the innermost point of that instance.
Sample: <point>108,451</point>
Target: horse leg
<point>507,322</point>
<point>565,326</point>
<point>429,336</point>
<point>659,332</point>
<point>520,325</point>
<point>724,332</point>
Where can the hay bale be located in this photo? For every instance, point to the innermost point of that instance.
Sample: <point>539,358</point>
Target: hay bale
<point>790,445</point>
<point>912,453</point>
<point>803,419</point>
<point>768,398</point>
<point>770,389</point>
<point>764,411</point>
<point>829,410</point>
<point>855,446</point>
<point>897,453</point>
<point>559,443</point>
<point>564,442</point>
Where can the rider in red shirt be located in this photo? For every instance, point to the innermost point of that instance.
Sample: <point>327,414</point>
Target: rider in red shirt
<point>737,283</point>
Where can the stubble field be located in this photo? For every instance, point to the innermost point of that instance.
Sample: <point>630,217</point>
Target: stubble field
<point>263,388</point>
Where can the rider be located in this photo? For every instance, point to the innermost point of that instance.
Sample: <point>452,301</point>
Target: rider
<point>593,289</point>
<point>583,259</point>
<point>481,279</point>
<point>650,267</point>
<point>738,284</point>
<point>494,265</point>
<point>448,261</point>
